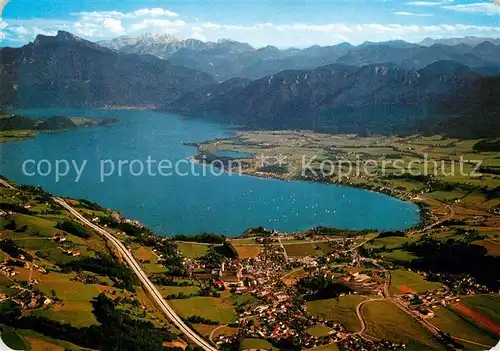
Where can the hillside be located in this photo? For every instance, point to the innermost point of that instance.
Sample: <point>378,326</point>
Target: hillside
<point>57,123</point>
<point>63,286</point>
<point>382,97</point>
<point>16,122</point>
<point>473,112</point>
<point>67,71</point>
<point>18,127</point>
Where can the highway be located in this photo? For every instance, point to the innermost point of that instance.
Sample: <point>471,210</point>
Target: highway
<point>155,294</point>
<point>5,184</point>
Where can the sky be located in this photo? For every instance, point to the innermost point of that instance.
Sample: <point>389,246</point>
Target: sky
<point>282,23</point>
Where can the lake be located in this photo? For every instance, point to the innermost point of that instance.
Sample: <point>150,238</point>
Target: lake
<point>185,204</point>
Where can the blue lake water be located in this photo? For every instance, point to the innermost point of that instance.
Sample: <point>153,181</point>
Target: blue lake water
<point>226,204</point>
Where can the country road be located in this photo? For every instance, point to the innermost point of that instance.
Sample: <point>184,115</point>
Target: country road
<point>155,294</point>
<point>360,316</point>
<point>450,215</point>
<point>284,250</point>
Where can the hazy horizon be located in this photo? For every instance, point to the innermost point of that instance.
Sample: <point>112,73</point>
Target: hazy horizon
<point>291,24</point>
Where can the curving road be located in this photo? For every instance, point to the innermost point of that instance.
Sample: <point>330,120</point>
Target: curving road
<point>449,216</point>
<point>360,316</point>
<point>155,294</point>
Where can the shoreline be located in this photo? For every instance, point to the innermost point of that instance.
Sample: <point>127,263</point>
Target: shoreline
<point>242,235</point>
<point>423,213</point>
<point>128,108</point>
<point>405,197</point>
<point>79,122</point>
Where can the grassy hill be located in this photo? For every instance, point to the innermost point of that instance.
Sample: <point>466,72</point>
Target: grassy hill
<point>64,290</point>
<point>17,127</point>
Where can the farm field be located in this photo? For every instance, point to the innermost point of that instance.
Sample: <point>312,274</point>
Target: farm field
<point>247,251</point>
<point>448,321</point>
<point>12,339</point>
<point>480,313</point>
<point>227,331</point>
<point>398,256</point>
<point>342,310</point>
<point>6,286</point>
<point>149,261</point>
<point>40,342</point>
<point>192,250</point>
<point>251,343</point>
<point>153,268</point>
<point>392,242</point>
<point>143,254</point>
<point>245,300</point>
<point>493,247</point>
<point>319,330</point>
<point>386,321</point>
<point>215,309</point>
<point>44,227</point>
<point>329,347</point>
<point>484,304</point>
<point>291,277</point>
<point>401,279</point>
<point>302,249</point>
<point>242,241</point>
<point>204,329</point>
<point>77,297</point>
<point>167,290</point>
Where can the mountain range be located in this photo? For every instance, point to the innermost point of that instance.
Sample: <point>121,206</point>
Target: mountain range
<point>337,97</point>
<point>67,71</point>
<point>227,59</point>
<point>471,41</point>
<point>381,87</point>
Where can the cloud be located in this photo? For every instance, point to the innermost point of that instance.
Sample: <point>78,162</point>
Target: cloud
<point>19,30</point>
<point>486,8</point>
<point>301,34</point>
<point>403,13</point>
<point>113,25</point>
<point>103,24</point>
<point>155,25</point>
<point>100,27</point>
<point>90,26</point>
<point>153,12</point>
<point>44,31</point>
<point>198,36</point>
<point>3,24</point>
<point>99,14</point>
